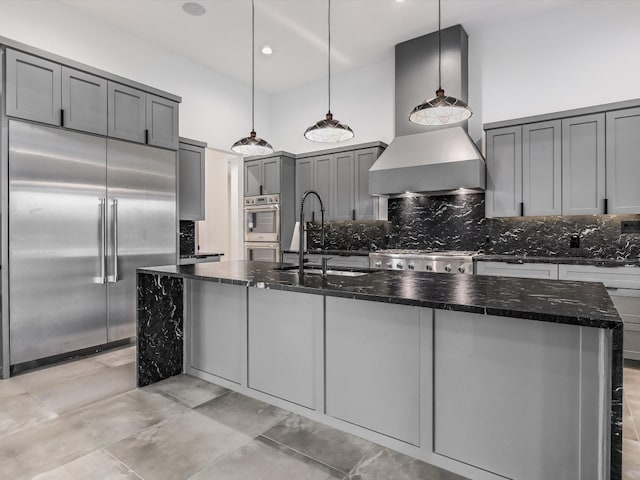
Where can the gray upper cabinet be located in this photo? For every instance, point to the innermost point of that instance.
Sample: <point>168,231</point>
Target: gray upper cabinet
<point>623,160</point>
<point>271,176</point>
<point>191,160</point>
<point>127,113</point>
<point>84,101</point>
<point>366,206</point>
<point>344,195</point>
<point>33,88</point>
<point>323,176</point>
<point>542,168</point>
<point>583,165</point>
<point>304,182</point>
<point>252,178</point>
<point>262,176</point>
<point>504,172</point>
<point>162,122</point>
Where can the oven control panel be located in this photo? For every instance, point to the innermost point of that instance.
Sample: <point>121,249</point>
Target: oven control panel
<point>262,200</point>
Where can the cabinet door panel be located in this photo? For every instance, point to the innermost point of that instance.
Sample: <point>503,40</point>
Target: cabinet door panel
<point>504,172</point>
<point>191,177</point>
<point>33,88</point>
<point>323,176</point>
<point>252,177</point>
<point>365,204</point>
<point>542,168</point>
<point>344,195</point>
<point>127,112</point>
<point>376,384</point>
<point>271,176</point>
<point>304,182</point>
<point>162,122</point>
<point>583,165</point>
<point>84,101</point>
<point>623,161</point>
<point>524,270</point>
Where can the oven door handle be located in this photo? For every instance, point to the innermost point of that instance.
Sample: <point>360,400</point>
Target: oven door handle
<point>262,207</point>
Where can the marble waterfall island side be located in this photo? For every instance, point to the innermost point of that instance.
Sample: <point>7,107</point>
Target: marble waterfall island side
<point>487,377</point>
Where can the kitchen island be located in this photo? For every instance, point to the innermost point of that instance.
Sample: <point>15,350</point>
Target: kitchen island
<point>488,377</point>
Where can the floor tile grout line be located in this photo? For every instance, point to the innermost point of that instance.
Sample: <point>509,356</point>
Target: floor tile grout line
<point>222,457</point>
<point>121,462</point>
<point>305,455</point>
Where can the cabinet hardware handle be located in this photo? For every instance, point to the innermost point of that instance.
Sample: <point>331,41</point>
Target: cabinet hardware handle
<point>606,206</point>
<point>313,216</point>
<point>353,214</point>
<point>260,189</point>
<point>61,117</point>
<point>522,209</point>
<point>146,136</point>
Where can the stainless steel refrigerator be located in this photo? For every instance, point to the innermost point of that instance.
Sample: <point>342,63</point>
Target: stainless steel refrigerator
<point>84,213</point>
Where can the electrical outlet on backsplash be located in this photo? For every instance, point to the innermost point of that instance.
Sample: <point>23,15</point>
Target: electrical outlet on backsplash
<point>457,222</point>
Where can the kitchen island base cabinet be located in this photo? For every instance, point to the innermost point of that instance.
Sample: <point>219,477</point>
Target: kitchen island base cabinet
<point>373,365</point>
<point>501,385</point>
<point>285,345</point>
<point>217,329</point>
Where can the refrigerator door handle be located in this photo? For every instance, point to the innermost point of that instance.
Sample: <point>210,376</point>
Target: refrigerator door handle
<point>114,206</point>
<point>103,240</point>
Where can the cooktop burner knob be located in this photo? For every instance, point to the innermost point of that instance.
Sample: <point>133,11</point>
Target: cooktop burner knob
<point>411,266</point>
<point>429,268</point>
<point>447,268</point>
<point>389,264</point>
<point>378,264</point>
<point>399,266</point>
<point>461,268</point>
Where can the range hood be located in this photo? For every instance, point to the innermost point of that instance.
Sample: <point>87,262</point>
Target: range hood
<point>441,161</point>
<point>421,159</point>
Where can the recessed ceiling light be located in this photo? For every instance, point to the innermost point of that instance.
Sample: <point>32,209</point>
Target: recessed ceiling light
<point>399,1</point>
<point>193,8</point>
<point>267,50</point>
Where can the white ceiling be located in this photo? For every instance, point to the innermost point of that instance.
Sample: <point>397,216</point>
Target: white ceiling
<point>363,31</point>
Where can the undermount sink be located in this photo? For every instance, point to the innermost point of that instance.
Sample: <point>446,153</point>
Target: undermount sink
<point>318,271</point>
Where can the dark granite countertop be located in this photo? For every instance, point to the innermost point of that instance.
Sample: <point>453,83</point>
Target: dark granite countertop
<point>557,301</point>
<point>201,255</point>
<point>601,262</point>
<point>339,253</point>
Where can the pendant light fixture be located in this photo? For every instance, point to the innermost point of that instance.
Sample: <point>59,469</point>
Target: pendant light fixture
<point>252,145</point>
<point>329,130</point>
<point>442,109</point>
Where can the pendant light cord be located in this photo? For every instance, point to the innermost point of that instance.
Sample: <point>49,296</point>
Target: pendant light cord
<point>253,65</point>
<point>329,50</point>
<point>439,51</point>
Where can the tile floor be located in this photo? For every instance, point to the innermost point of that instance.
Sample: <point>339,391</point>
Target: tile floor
<point>85,419</point>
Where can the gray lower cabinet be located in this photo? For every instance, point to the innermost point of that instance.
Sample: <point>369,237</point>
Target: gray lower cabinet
<point>33,88</point>
<point>284,344</point>
<point>373,366</point>
<point>218,328</point>
<point>504,172</point>
<point>542,168</point>
<point>191,177</point>
<point>522,270</point>
<point>478,359</point>
<point>84,101</point>
<point>623,160</point>
<point>583,165</point>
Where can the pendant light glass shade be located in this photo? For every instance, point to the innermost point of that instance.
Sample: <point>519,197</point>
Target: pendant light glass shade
<point>252,145</point>
<point>329,130</point>
<point>441,109</point>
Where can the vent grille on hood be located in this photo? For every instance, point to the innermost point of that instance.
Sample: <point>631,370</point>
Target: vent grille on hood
<point>423,159</point>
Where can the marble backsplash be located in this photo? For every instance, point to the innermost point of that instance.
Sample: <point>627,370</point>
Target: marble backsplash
<point>187,237</point>
<point>457,222</point>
